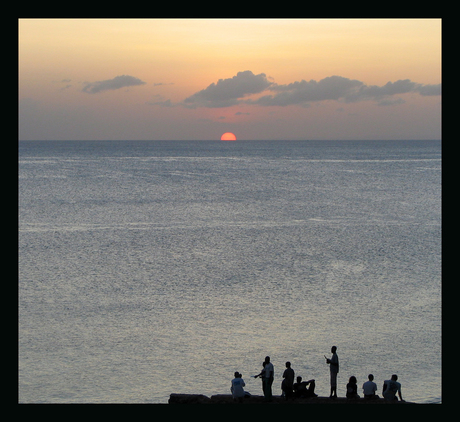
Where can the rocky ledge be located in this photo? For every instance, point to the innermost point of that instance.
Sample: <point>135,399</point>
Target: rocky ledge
<point>228,399</point>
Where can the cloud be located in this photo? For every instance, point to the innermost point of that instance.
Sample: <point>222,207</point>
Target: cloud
<point>159,100</point>
<point>118,82</point>
<point>430,89</point>
<point>236,90</point>
<point>228,92</point>
<point>165,103</point>
<point>402,86</point>
<point>330,88</point>
<point>340,88</point>
<point>374,92</point>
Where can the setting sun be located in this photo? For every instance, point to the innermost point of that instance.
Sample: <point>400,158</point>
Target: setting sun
<point>228,136</point>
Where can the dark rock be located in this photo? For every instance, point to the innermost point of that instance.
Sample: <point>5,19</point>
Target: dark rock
<point>228,399</point>
<point>188,399</point>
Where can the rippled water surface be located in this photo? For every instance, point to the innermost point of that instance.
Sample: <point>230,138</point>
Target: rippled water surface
<point>151,268</point>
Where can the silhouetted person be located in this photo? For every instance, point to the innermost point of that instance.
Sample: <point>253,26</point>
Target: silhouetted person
<point>237,387</point>
<point>261,375</point>
<point>369,388</point>
<point>267,378</point>
<point>352,388</point>
<point>334,368</point>
<point>301,390</point>
<point>391,387</point>
<point>288,381</point>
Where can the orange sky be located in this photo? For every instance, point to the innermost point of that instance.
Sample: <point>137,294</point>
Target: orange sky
<point>152,79</point>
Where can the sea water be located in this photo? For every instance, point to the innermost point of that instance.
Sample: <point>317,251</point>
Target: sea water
<point>151,268</point>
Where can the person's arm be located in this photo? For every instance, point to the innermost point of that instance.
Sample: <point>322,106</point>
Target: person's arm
<point>399,394</point>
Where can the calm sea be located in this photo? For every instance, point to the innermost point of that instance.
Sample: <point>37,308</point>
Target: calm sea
<point>151,268</point>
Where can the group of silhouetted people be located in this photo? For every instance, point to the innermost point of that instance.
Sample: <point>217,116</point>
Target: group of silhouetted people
<point>305,389</point>
<point>290,388</point>
<point>297,389</point>
<point>391,388</point>
<point>267,374</point>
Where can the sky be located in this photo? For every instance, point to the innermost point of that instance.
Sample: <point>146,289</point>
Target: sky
<point>194,79</point>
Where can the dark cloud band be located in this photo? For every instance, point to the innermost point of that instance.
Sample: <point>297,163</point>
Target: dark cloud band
<point>232,91</point>
<point>227,92</point>
<point>118,82</point>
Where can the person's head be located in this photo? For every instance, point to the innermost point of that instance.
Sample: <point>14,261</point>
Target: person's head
<point>333,349</point>
<point>394,377</point>
<point>299,379</point>
<point>236,374</point>
<point>352,380</point>
<point>267,359</point>
<point>288,364</point>
<point>264,363</point>
<point>371,377</point>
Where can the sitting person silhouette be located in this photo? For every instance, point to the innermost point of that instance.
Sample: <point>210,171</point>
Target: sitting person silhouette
<point>301,390</point>
<point>369,388</point>
<point>352,388</point>
<point>237,387</point>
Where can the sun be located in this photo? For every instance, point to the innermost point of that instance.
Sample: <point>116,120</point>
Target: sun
<point>228,136</point>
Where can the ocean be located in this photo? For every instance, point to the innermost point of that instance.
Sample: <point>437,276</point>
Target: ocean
<point>150,268</point>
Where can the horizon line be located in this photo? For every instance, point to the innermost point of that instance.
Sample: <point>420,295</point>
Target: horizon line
<point>218,140</point>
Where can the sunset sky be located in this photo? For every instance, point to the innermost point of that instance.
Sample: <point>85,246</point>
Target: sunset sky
<point>194,79</point>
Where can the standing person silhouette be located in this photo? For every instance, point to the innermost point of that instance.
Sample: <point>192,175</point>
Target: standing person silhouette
<point>261,375</point>
<point>334,368</point>
<point>267,378</point>
<point>288,381</point>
